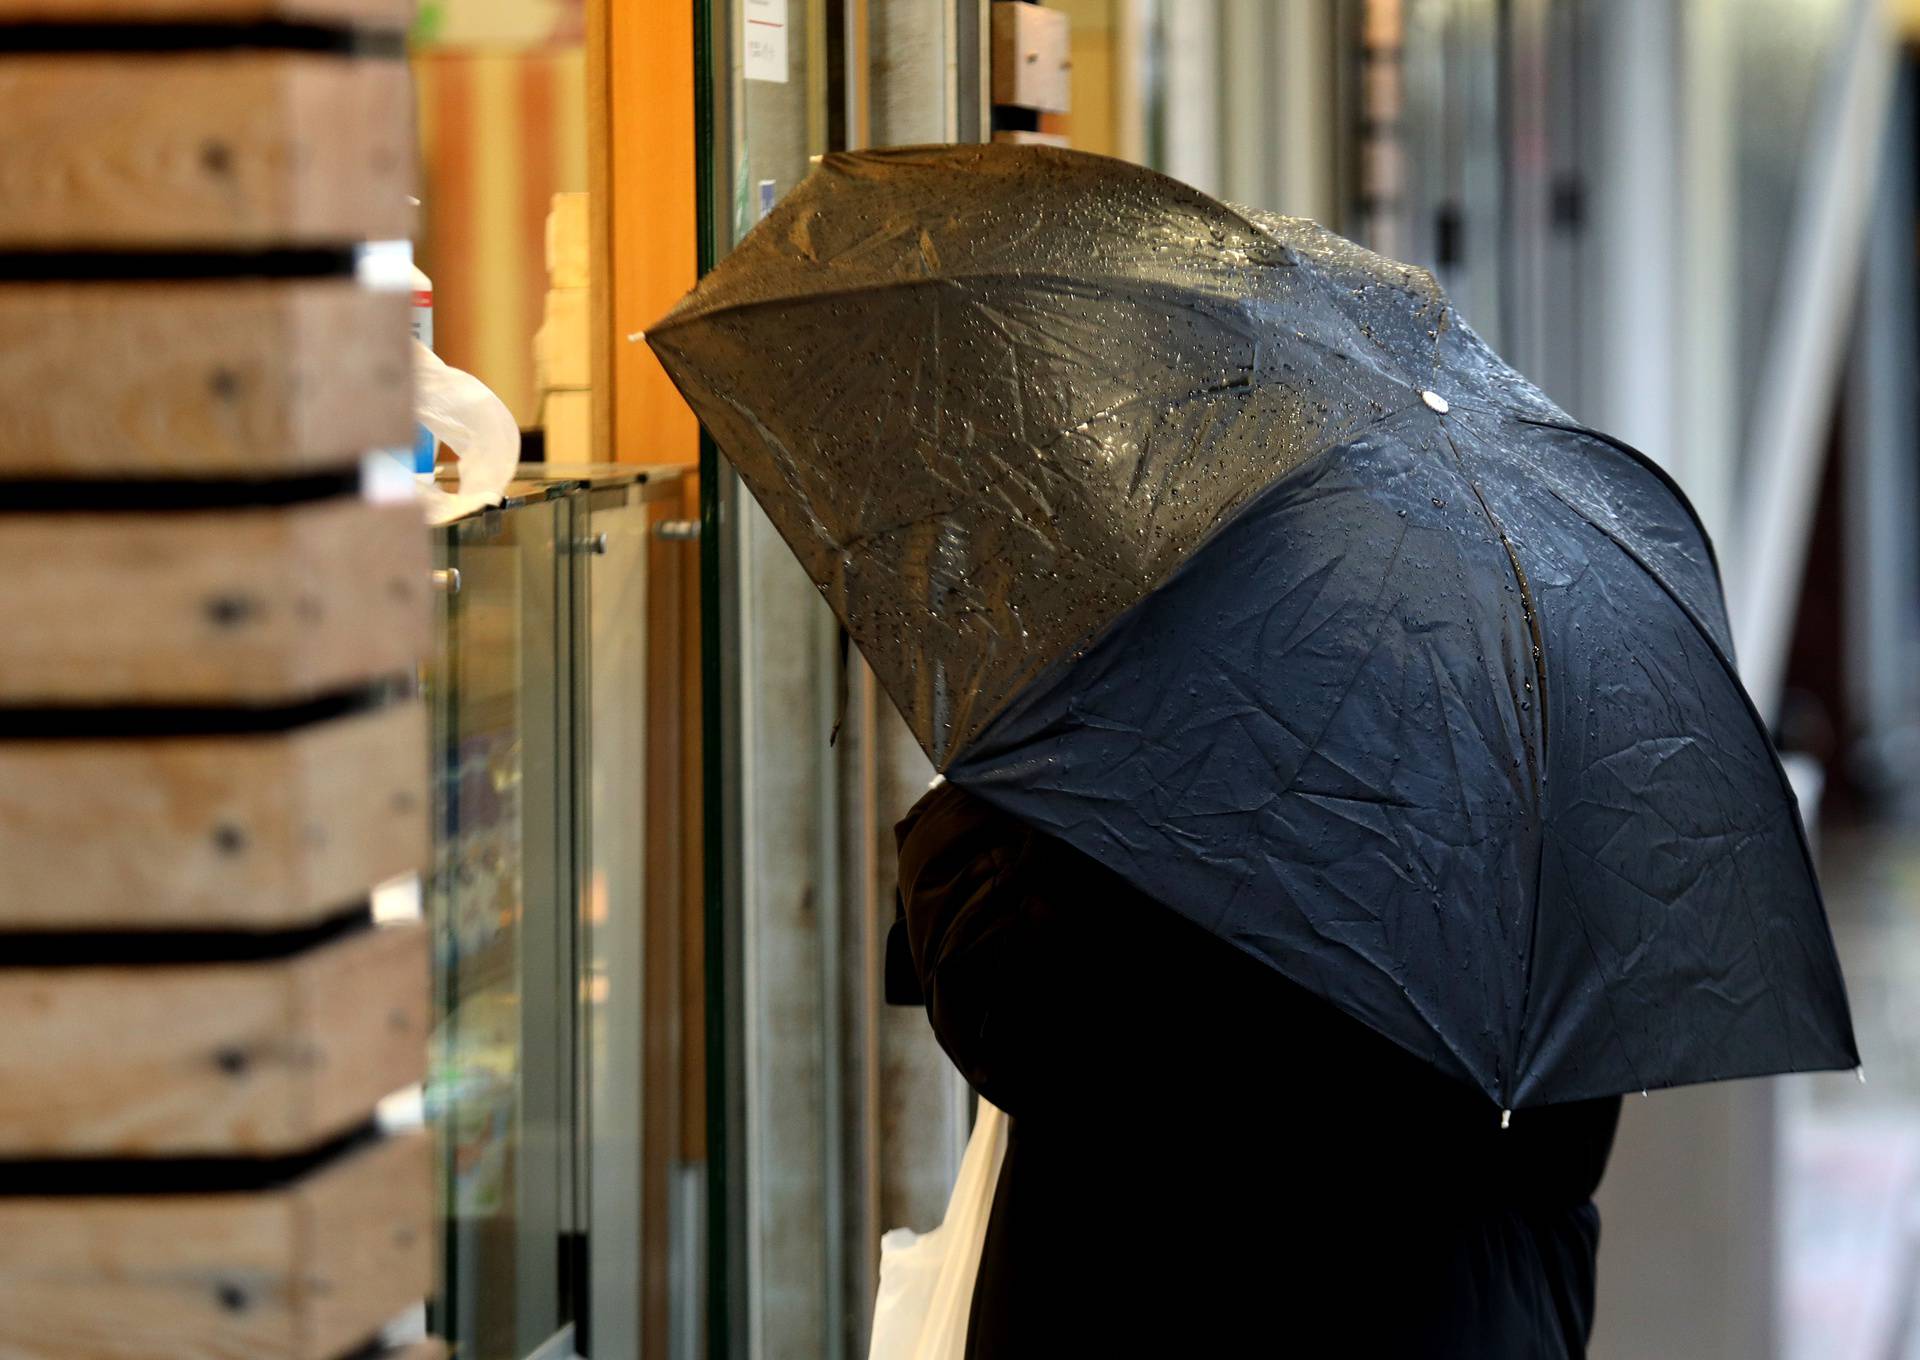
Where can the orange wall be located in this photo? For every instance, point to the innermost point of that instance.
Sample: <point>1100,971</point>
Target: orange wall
<point>651,236</point>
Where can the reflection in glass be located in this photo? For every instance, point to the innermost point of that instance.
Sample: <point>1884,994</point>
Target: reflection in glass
<point>499,1087</point>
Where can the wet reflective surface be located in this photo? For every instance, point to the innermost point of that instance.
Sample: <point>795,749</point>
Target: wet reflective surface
<point>989,420</point>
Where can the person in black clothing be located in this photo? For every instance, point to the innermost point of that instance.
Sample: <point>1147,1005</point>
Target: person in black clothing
<point>1206,1160</point>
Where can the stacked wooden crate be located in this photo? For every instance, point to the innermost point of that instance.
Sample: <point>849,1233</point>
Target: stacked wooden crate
<point>563,349</point>
<point>211,744</point>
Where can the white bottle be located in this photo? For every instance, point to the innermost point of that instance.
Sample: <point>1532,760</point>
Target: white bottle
<point>424,444</point>
<point>387,267</point>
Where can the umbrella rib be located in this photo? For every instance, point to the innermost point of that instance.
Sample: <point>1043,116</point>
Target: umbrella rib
<point>1532,615</point>
<point>1586,938</point>
<point>1537,759</point>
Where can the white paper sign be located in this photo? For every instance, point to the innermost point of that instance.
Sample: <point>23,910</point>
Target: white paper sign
<point>766,39</point>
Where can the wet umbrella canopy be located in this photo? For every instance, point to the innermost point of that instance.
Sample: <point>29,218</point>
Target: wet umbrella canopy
<point>1223,550</point>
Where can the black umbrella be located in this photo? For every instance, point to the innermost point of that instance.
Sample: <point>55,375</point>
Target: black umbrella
<point>1223,550</point>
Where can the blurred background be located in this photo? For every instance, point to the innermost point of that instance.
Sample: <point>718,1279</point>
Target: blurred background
<point>1692,222</point>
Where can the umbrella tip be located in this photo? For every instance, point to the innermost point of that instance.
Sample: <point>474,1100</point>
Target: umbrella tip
<point>635,337</point>
<point>1861,1072</point>
<point>1506,1118</point>
<point>1434,400</point>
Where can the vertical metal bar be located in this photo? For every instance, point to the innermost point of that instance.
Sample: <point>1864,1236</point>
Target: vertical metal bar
<point>973,41</point>
<point>1803,358</point>
<point>954,58</point>
<point>578,1040</point>
<point>1634,224</point>
<point>1883,558</point>
<point>831,907</point>
<point>1247,137</point>
<point>1190,112</point>
<point>1132,29</point>
<point>818,115</point>
<point>867,830</point>
<point>1303,121</point>
<point>724,1256</point>
<point>1706,444</point>
<point>858,1100</point>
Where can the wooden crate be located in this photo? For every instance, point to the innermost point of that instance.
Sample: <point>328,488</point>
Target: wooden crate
<point>219,1059</point>
<point>1032,57</point>
<point>256,606</point>
<point>200,379</point>
<point>210,149</point>
<point>310,1271</point>
<point>373,14</point>
<point>256,832</point>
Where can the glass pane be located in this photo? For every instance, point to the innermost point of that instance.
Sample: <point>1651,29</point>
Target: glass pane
<point>841,1118</point>
<point>1783,51</point>
<point>499,1088</point>
<point>780,652</point>
<point>615,910</point>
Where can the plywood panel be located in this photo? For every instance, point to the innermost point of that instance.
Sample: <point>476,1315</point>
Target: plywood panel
<point>307,1272</point>
<point>227,1059</point>
<point>255,832</point>
<point>202,149</point>
<point>199,379</point>
<point>247,606</point>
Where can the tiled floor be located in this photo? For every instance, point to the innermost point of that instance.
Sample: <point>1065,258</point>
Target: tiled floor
<point>1851,1168</point>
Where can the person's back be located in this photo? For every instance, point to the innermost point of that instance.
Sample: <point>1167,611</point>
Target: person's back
<point>1204,1159</point>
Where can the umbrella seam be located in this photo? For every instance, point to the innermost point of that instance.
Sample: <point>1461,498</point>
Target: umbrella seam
<point>1606,994</point>
<point>1538,762</point>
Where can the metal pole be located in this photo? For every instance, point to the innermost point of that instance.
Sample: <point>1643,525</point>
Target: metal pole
<point>1802,365</point>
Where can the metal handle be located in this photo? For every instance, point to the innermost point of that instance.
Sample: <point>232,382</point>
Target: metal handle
<point>595,546</point>
<point>678,530</point>
<point>446,580</point>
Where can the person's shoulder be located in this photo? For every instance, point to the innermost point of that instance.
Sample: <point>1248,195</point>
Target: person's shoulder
<point>951,833</point>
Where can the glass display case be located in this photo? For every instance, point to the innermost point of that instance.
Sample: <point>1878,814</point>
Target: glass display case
<point>501,1089</point>
<point>537,901</point>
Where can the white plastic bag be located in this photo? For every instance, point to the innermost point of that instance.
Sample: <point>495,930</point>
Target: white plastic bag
<point>926,1279</point>
<point>464,414</point>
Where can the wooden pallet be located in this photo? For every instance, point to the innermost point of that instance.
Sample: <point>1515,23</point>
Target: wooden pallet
<point>211,741</point>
